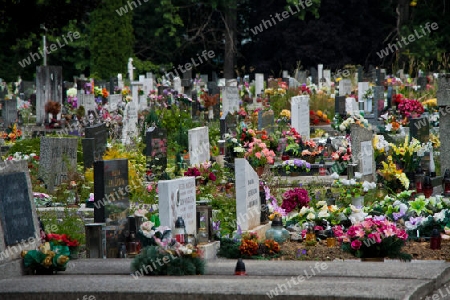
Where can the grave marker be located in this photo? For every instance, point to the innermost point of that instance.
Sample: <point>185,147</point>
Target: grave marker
<point>111,191</point>
<point>248,202</point>
<point>48,87</point>
<point>177,198</point>
<point>114,101</point>
<point>230,99</point>
<point>198,145</point>
<point>57,157</point>
<point>419,128</point>
<point>130,121</point>
<point>443,101</point>
<point>100,135</point>
<point>362,151</point>
<point>300,115</point>
<point>156,147</point>
<point>266,120</point>
<point>345,87</point>
<point>9,112</point>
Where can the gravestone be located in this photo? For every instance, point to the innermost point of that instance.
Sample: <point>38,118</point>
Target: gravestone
<point>19,225</point>
<point>390,94</point>
<point>87,101</point>
<point>156,148</point>
<point>339,105</point>
<point>362,151</point>
<point>228,124</point>
<point>213,89</point>
<point>204,78</point>
<point>120,81</point>
<point>300,115</point>
<point>114,101</point>
<point>314,75</point>
<point>345,87</point>
<point>195,106</point>
<point>177,198</point>
<point>230,99</point>
<point>351,106</point>
<point>248,202</point>
<point>360,74</point>
<point>48,87</point>
<point>378,98</point>
<point>327,76</point>
<point>139,100</point>
<point>186,82</point>
<point>419,128</point>
<point>88,145</point>
<point>9,112</point>
<point>301,77</point>
<point>443,101</point>
<point>422,83</point>
<point>266,120</point>
<point>130,121</point>
<point>58,157</point>
<point>259,83</point>
<point>177,85</point>
<point>111,191</point>
<point>199,148</point>
<point>320,78</point>
<point>100,135</point>
<point>362,88</point>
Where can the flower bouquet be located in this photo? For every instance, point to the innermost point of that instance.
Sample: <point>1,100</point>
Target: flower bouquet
<point>375,239</point>
<point>295,199</point>
<point>258,154</point>
<point>341,158</point>
<point>163,255</point>
<point>410,108</point>
<point>293,166</point>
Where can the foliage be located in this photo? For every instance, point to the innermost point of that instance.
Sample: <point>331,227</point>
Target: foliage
<point>111,39</point>
<point>70,224</point>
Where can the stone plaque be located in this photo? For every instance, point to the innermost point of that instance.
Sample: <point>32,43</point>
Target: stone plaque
<point>199,151</point>
<point>248,202</point>
<point>300,115</point>
<point>100,135</point>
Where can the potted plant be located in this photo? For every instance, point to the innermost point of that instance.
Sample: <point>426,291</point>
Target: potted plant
<point>375,239</point>
<point>259,155</point>
<point>295,167</point>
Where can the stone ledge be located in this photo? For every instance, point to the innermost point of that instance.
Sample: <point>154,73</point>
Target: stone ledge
<point>209,250</point>
<point>13,268</point>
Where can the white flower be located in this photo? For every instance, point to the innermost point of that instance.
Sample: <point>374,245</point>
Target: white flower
<point>147,226</point>
<point>368,185</point>
<point>352,181</point>
<point>303,211</point>
<point>342,127</point>
<point>357,217</point>
<point>440,216</point>
<point>323,214</point>
<point>358,175</point>
<point>321,204</point>
<point>234,140</point>
<point>345,182</point>
<point>388,127</point>
<point>334,175</point>
<point>141,212</point>
<point>311,216</point>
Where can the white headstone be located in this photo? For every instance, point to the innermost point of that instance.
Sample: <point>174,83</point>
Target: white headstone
<point>285,74</point>
<point>300,115</point>
<point>198,139</point>
<point>259,83</point>
<point>177,198</point>
<point>221,82</point>
<point>139,100</point>
<point>351,106</point>
<point>130,121</point>
<point>362,88</point>
<point>327,76</point>
<point>177,85</point>
<point>114,100</point>
<point>248,202</point>
<point>87,101</point>
<point>141,78</point>
<point>120,81</point>
<point>319,75</point>
<point>130,69</point>
<point>345,87</point>
<point>148,86</point>
<point>367,158</point>
<point>230,99</point>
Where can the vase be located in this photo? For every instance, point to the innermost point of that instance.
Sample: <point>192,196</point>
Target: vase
<point>259,170</point>
<point>277,232</point>
<point>372,259</point>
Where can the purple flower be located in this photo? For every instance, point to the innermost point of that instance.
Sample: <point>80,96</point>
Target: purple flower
<point>379,218</point>
<point>397,215</point>
<point>216,225</point>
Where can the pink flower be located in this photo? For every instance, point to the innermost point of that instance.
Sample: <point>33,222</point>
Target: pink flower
<point>149,188</point>
<point>402,235</point>
<point>356,244</point>
<point>258,155</point>
<point>375,237</point>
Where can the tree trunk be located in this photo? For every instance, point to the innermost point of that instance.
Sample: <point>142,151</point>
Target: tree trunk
<point>230,40</point>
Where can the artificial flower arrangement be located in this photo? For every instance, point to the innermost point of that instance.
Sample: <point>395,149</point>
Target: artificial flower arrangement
<point>52,256</point>
<point>295,165</point>
<point>343,125</point>
<point>351,188</point>
<point>341,158</point>
<point>173,257</point>
<point>248,245</point>
<point>234,146</point>
<point>373,238</point>
<point>393,177</point>
<point>409,154</point>
<point>202,172</point>
<point>72,99</point>
<point>295,199</point>
<point>317,117</point>
<point>12,133</point>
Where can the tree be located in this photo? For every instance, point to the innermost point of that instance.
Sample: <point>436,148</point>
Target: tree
<point>111,38</point>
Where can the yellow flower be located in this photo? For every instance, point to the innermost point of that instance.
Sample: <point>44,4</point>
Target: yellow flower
<point>430,102</point>
<point>403,179</point>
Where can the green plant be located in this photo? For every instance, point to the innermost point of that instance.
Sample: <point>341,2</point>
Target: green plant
<point>67,222</point>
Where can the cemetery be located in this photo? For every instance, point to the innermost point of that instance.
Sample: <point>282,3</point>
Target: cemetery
<point>223,182</point>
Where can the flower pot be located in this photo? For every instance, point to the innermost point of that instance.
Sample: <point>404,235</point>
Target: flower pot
<point>259,171</point>
<point>309,158</point>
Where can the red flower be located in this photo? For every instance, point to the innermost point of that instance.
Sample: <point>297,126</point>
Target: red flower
<point>356,244</point>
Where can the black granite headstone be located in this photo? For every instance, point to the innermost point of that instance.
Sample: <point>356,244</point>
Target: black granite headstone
<point>419,128</point>
<point>111,191</point>
<point>314,75</point>
<point>100,134</point>
<point>15,208</point>
<point>88,145</point>
<point>195,105</point>
<point>339,104</point>
<point>156,147</point>
<point>422,83</point>
<point>360,74</point>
